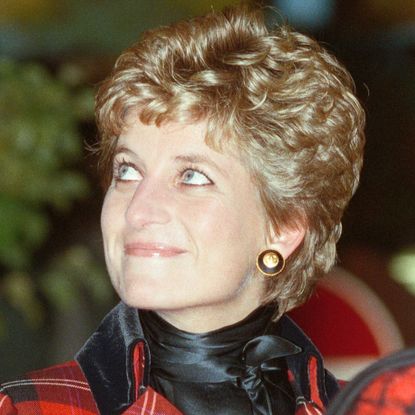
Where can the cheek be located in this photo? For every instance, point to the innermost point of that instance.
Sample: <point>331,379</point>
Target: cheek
<point>205,217</point>
<point>111,216</point>
<point>105,217</point>
<point>227,226</point>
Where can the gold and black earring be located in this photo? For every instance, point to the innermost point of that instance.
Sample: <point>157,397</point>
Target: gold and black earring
<point>270,262</point>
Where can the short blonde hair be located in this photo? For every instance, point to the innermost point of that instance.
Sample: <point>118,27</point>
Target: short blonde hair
<point>283,100</point>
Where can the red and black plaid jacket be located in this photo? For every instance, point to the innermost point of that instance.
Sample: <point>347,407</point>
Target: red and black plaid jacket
<point>110,376</point>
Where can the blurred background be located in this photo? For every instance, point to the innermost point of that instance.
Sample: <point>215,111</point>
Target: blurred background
<point>53,285</point>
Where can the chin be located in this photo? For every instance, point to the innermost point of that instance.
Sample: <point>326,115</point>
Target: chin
<point>145,296</point>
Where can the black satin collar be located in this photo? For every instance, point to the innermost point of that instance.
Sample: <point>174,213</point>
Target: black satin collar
<point>240,354</point>
<point>106,360</point>
<point>217,356</point>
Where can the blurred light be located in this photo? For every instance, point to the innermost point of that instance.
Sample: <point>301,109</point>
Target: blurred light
<point>402,269</point>
<point>309,14</point>
<point>204,6</point>
<point>26,11</point>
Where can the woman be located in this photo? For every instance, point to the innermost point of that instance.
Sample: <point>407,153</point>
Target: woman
<point>229,153</point>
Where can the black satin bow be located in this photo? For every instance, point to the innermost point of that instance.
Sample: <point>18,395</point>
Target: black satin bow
<point>261,356</point>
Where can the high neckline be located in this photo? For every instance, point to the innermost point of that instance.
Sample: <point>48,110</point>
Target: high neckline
<point>170,344</point>
<point>243,362</point>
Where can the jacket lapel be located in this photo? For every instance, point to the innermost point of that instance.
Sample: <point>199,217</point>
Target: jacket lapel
<point>107,359</point>
<point>312,384</point>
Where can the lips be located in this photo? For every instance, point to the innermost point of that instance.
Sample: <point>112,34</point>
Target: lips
<point>145,249</point>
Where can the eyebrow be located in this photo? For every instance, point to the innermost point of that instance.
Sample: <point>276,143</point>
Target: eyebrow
<point>197,158</point>
<point>194,158</point>
<point>123,149</point>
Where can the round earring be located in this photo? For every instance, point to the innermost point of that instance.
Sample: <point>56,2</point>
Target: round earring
<point>270,262</point>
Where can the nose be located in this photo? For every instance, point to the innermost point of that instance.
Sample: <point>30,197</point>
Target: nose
<point>149,205</point>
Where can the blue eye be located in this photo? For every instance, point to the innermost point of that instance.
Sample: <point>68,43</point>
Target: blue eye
<point>195,178</point>
<point>126,172</point>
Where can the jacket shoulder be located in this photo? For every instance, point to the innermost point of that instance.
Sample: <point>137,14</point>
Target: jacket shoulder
<point>57,389</point>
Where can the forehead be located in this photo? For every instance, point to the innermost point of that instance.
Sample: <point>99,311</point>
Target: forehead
<point>136,132</point>
<point>173,137</point>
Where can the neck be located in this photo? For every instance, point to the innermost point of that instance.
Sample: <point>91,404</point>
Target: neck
<point>202,320</point>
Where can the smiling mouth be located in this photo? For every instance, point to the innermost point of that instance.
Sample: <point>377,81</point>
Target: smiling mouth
<point>152,250</point>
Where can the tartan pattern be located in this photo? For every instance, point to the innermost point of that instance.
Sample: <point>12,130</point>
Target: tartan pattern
<point>392,393</point>
<point>152,403</point>
<point>60,389</point>
<point>113,375</point>
<point>63,390</point>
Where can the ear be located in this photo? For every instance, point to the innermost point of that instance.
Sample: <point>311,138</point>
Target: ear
<point>288,239</point>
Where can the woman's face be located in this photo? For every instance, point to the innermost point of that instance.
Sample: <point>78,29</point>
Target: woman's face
<point>182,226</point>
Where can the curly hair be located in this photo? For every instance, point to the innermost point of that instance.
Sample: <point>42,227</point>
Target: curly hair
<point>279,97</point>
